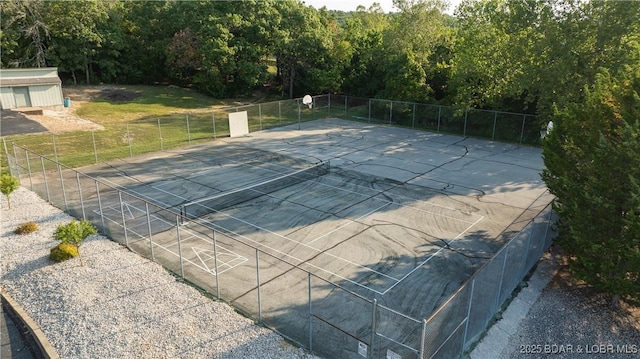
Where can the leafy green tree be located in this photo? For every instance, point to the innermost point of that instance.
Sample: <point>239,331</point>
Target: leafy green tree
<point>74,232</point>
<point>592,159</point>
<point>364,75</point>
<point>409,44</point>
<point>77,36</point>
<point>532,55</point>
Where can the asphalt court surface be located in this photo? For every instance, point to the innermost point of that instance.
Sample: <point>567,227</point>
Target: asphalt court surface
<point>403,216</point>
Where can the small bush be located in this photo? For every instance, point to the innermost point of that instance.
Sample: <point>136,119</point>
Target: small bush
<point>26,228</point>
<point>8,184</point>
<point>64,251</point>
<point>74,232</point>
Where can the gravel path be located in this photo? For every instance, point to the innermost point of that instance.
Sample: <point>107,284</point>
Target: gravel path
<point>571,320</point>
<point>112,303</point>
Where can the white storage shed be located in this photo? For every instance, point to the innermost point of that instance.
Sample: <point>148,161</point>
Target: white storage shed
<point>32,87</point>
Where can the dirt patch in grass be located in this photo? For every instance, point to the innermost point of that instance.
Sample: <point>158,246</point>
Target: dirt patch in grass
<point>118,95</point>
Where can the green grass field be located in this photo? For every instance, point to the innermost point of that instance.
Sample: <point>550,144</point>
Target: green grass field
<point>142,119</point>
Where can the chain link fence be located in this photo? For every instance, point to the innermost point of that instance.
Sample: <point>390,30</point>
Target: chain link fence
<point>308,317</point>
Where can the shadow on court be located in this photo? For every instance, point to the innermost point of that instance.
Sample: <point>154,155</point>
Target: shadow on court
<point>391,230</point>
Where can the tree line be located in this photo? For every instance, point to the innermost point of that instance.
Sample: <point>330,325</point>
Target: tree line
<point>574,62</point>
<point>513,55</point>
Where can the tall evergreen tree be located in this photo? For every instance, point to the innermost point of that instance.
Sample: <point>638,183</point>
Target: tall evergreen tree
<point>592,159</point>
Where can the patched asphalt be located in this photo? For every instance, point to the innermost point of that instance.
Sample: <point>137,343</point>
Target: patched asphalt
<point>15,123</point>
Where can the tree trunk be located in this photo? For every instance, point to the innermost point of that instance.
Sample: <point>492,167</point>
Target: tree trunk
<point>86,68</point>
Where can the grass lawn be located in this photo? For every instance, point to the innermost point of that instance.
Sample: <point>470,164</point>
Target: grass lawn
<point>141,119</point>
<point>118,109</point>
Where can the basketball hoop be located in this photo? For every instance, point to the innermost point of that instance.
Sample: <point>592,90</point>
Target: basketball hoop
<point>307,100</point>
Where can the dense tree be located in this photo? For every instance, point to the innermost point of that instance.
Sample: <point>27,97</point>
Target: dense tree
<point>78,35</point>
<point>592,160</point>
<point>24,33</point>
<point>530,55</point>
<point>409,44</point>
<point>364,75</point>
<point>306,54</point>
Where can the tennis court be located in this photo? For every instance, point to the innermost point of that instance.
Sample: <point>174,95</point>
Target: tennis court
<point>396,215</point>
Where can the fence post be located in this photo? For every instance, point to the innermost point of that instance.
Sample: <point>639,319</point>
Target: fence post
<point>329,104</point>
<point>188,130</point>
<point>464,130</point>
<point>546,230</point>
<point>466,326</point>
<point>369,118</point>
<point>439,113</point>
<point>373,326</point>
<point>495,119</point>
<point>279,111</point>
<point>17,167</point>
<point>345,106</point>
<point>95,150</point>
<point>423,339</point>
<point>64,192</point>
<point>390,111</point>
<point>28,168</point>
<point>258,281</point>
<point>504,264</point>
<point>84,217</point>
<point>124,221</point>
<point>44,175</point>
<point>298,102</point>
<point>310,314</point>
<point>215,264</point>
<point>100,207</point>
<point>55,148</point>
<point>160,135</point>
<point>524,119</point>
<point>179,246</point>
<point>213,121</point>
<point>129,141</point>
<point>413,122</point>
<point>146,208</point>
<point>260,115</point>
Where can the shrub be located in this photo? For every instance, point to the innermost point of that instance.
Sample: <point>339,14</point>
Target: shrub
<point>8,184</point>
<point>64,251</point>
<point>74,232</point>
<point>26,228</point>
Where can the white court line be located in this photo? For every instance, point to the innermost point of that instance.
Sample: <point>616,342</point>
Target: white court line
<point>351,221</point>
<point>366,269</point>
<point>301,261</point>
<point>430,257</point>
<point>286,238</point>
<point>402,205</point>
<point>192,235</point>
<point>150,199</point>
